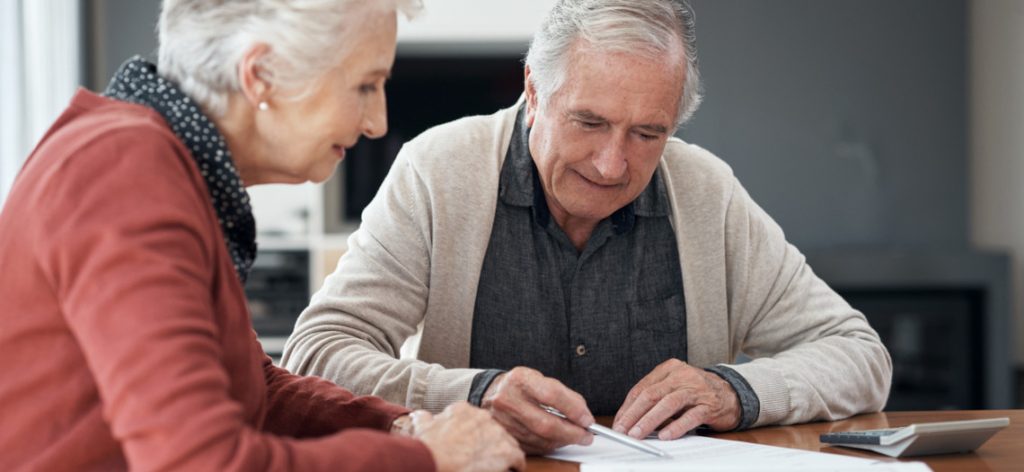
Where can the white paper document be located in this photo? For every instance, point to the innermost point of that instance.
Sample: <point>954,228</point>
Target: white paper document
<point>710,454</point>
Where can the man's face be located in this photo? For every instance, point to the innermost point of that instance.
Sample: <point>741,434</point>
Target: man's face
<point>598,140</point>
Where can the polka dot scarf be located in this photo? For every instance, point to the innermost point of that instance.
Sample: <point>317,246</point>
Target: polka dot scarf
<point>137,82</point>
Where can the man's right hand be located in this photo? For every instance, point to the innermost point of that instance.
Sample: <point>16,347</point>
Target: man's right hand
<point>514,399</point>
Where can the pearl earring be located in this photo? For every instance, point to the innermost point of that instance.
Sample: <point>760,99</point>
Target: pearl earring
<point>263,106</point>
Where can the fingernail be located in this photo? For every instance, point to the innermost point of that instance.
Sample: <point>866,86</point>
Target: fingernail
<point>619,428</point>
<point>664,436</point>
<point>589,420</point>
<point>635,432</point>
<point>587,440</point>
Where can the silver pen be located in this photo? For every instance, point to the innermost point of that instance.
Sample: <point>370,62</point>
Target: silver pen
<point>615,435</point>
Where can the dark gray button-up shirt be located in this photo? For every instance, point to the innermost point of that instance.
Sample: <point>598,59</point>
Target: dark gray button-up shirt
<point>597,320</point>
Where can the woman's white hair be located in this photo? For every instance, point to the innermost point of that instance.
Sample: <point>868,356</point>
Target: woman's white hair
<point>650,27</point>
<point>202,41</point>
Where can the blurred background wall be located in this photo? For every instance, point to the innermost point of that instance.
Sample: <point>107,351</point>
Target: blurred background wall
<point>996,152</point>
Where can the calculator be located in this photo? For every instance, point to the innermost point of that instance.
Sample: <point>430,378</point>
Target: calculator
<point>871,436</point>
<point>920,439</point>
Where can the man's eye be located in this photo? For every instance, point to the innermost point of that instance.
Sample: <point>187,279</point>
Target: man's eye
<point>590,124</point>
<point>368,88</point>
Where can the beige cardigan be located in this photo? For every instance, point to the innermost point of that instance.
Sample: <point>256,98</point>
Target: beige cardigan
<point>415,262</point>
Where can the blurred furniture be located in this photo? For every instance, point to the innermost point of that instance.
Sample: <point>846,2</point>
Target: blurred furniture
<point>278,290</point>
<point>943,315</point>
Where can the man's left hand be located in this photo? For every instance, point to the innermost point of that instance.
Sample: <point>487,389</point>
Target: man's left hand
<point>676,388</point>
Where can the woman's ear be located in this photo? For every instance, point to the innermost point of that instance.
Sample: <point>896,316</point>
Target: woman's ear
<point>254,79</point>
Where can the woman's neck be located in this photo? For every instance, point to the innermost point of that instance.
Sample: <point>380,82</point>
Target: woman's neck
<point>236,124</point>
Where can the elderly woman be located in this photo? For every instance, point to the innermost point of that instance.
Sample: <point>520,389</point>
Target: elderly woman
<point>128,234</point>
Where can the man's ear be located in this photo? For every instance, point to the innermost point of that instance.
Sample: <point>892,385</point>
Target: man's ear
<point>254,79</point>
<point>531,97</point>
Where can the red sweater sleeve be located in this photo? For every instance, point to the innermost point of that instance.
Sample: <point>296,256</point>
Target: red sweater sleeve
<point>128,254</point>
<point>312,407</point>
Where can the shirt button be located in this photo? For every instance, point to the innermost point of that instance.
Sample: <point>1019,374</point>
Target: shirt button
<point>581,350</point>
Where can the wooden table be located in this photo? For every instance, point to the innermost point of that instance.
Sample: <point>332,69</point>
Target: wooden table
<point>1004,451</point>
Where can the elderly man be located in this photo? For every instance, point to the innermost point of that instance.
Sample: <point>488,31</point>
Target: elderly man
<point>568,251</point>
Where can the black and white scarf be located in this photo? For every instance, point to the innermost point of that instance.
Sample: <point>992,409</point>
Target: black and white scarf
<point>137,81</point>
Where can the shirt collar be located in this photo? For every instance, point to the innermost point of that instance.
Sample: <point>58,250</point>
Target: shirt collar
<point>520,185</point>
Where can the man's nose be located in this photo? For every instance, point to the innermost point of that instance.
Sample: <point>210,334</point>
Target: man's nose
<point>610,161</point>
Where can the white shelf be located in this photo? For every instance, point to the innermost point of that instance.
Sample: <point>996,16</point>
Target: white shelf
<point>474,21</point>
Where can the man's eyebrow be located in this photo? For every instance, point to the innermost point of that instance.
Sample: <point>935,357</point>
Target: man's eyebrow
<point>586,115</point>
<point>653,128</point>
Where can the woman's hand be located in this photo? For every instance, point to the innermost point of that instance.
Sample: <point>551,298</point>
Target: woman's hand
<point>465,438</point>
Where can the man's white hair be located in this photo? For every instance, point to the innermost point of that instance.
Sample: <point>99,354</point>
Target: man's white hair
<point>649,27</point>
<point>202,41</point>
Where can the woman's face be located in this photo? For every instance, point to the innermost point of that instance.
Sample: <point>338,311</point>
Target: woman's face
<point>305,139</point>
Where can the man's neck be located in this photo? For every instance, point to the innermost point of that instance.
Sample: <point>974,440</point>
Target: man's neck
<point>576,228</point>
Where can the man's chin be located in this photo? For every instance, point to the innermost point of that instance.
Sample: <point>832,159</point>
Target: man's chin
<point>585,208</point>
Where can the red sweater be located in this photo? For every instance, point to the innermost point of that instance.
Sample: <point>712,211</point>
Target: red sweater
<point>124,329</point>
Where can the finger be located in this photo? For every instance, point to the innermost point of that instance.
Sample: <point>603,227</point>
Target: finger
<point>553,393</point>
<point>667,407</point>
<point>693,418</point>
<point>522,435</point>
<point>510,455</point>
<point>503,438</point>
<point>627,404</point>
<point>628,416</point>
<point>655,377</point>
<point>518,459</point>
<point>509,441</point>
<point>661,371</point>
<point>557,431</point>
<point>420,419</point>
<point>503,454</point>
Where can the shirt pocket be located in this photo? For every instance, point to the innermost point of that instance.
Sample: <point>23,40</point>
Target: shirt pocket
<point>657,332</point>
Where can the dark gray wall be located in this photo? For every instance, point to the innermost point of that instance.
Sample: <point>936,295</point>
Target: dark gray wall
<point>846,120</point>
<point>119,30</point>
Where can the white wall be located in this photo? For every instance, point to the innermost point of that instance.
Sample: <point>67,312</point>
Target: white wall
<point>996,148</point>
<point>40,69</point>
<point>475,21</point>
<point>12,135</point>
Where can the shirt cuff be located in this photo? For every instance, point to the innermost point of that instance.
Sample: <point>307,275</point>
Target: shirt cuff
<point>480,383</point>
<point>750,405</point>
